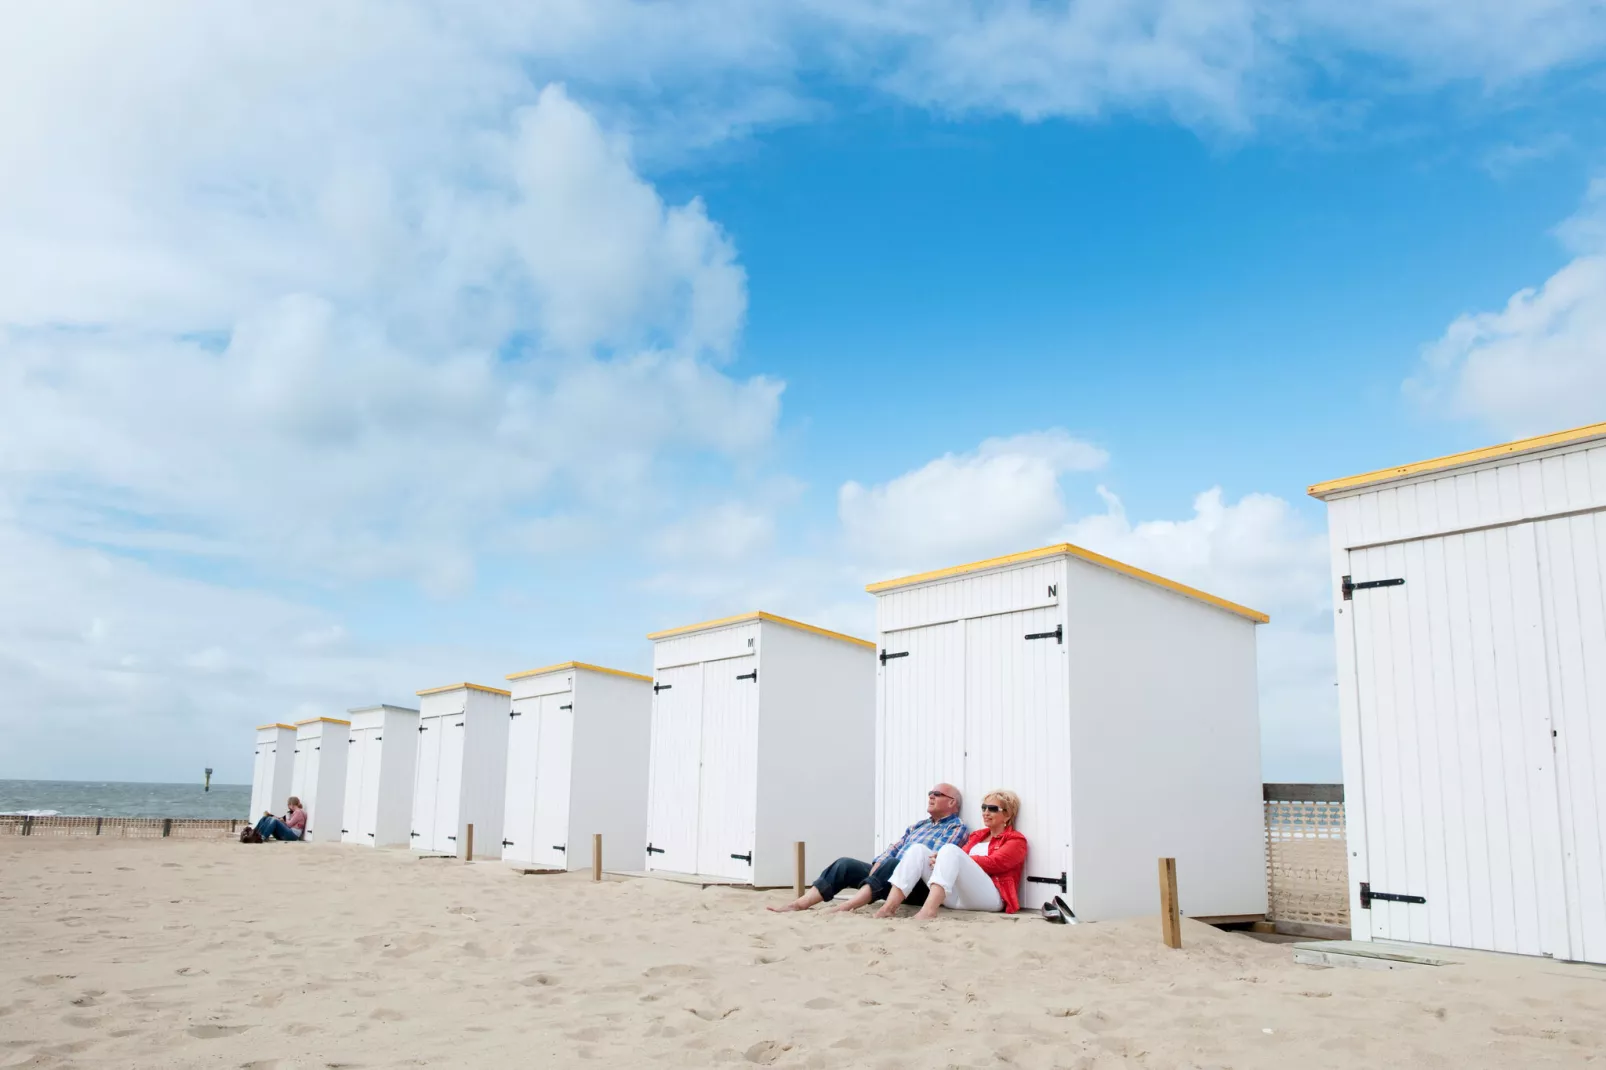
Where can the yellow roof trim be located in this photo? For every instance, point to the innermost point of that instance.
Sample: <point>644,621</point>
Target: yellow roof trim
<point>315,720</point>
<point>1070,550</point>
<point>276,724</point>
<point>1457,460</point>
<point>464,686</point>
<point>771,617</point>
<point>561,666</point>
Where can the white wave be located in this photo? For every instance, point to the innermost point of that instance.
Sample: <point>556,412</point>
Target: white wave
<point>30,813</point>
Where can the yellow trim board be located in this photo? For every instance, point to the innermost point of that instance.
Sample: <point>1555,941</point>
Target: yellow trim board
<point>1070,550</point>
<point>315,720</point>
<point>1457,460</point>
<point>276,724</point>
<point>564,665</point>
<point>771,617</point>
<point>462,687</point>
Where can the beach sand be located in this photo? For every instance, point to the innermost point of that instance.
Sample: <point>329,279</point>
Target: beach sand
<point>167,954</point>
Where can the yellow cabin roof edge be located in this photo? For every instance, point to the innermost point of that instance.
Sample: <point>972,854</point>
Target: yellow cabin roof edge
<point>773,618</point>
<point>565,665</point>
<point>315,720</point>
<point>1067,549</point>
<point>461,687</point>
<point>1458,460</point>
<point>276,724</point>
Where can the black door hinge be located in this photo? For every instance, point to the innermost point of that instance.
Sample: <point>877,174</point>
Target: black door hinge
<point>1349,586</point>
<point>748,858</point>
<point>457,724</point>
<point>452,838</point>
<point>507,843</point>
<point>1058,634</point>
<point>560,847</point>
<point>654,850</point>
<point>570,706</point>
<point>1060,880</point>
<point>885,657</point>
<point>661,687</point>
<point>370,834</point>
<point>423,728</point>
<point>344,831</point>
<point>515,713</point>
<point>1367,895</point>
<point>413,834</point>
<point>753,676</point>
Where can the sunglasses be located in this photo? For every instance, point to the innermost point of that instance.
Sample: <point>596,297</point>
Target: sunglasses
<point>939,795</point>
<point>991,808</point>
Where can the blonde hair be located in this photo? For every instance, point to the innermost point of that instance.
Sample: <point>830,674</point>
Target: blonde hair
<point>1009,801</point>
<point>295,801</point>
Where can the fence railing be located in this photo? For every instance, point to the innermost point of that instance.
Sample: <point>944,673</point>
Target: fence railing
<point>1307,867</point>
<point>130,828</point>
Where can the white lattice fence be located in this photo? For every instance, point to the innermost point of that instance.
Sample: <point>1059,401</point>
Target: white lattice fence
<point>1307,869</point>
<point>131,828</point>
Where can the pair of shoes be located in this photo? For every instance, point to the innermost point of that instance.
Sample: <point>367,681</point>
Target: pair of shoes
<point>1059,912</point>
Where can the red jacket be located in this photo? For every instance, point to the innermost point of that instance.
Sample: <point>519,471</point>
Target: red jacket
<point>1003,862</point>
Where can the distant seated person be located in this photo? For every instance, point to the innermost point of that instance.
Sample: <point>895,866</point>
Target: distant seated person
<point>293,826</point>
<point>984,874</point>
<point>939,828</point>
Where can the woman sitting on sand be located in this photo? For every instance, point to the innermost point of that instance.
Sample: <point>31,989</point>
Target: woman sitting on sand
<point>984,874</point>
<point>293,826</point>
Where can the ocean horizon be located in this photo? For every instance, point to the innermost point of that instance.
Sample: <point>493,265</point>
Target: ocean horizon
<point>114,798</point>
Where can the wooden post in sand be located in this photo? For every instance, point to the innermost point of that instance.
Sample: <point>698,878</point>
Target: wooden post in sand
<point>596,857</point>
<point>1170,918</point>
<point>797,878</point>
<point>468,854</point>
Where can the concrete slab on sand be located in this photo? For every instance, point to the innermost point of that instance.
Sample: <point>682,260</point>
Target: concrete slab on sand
<point>1395,955</point>
<point>701,880</point>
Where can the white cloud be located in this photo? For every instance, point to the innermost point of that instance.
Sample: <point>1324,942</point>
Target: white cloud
<point>965,505</point>
<point>1539,364</point>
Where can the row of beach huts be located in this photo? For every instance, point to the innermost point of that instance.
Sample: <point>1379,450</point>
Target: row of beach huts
<point>1470,611</point>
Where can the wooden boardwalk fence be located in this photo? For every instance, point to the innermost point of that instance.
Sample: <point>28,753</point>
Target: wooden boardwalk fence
<point>128,828</point>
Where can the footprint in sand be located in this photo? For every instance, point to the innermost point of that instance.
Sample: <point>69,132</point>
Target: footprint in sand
<point>678,969</point>
<point>821,1003</point>
<point>767,960</point>
<point>709,1014</point>
<point>538,980</point>
<point>45,980</point>
<point>213,1032</point>
<point>766,1051</point>
<point>384,1015</point>
<point>81,1021</point>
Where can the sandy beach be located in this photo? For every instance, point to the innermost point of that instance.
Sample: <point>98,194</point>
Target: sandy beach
<point>170,954</point>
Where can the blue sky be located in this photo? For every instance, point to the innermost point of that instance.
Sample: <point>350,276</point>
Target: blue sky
<point>345,353</point>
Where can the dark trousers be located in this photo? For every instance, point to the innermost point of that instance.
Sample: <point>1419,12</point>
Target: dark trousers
<point>851,873</point>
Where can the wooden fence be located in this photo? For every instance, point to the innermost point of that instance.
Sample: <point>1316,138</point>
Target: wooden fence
<point>128,828</point>
<point>1307,867</point>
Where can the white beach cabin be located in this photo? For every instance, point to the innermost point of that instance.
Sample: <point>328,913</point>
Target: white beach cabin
<point>380,771</point>
<point>320,775</point>
<point>762,735</point>
<point>576,766</point>
<point>1121,707</point>
<point>1470,613</point>
<point>273,767</point>
<point>462,769</point>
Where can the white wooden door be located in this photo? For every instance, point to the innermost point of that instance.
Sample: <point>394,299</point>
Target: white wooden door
<point>518,816</point>
<point>351,811</point>
<point>1017,737</point>
<point>262,781</point>
<point>677,717</point>
<point>426,783</point>
<point>449,783</point>
<point>372,747</point>
<point>920,725</point>
<point>553,764</point>
<point>1458,785</point>
<point>1571,555</point>
<point>727,801</point>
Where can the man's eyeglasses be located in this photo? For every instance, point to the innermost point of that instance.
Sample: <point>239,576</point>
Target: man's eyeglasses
<point>939,795</point>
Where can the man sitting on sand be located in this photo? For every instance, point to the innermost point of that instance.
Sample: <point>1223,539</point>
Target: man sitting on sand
<point>940,827</point>
<point>293,826</point>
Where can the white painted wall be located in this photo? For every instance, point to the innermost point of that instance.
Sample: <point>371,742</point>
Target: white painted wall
<point>321,750</point>
<point>380,772</point>
<point>1473,702</point>
<point>273,767</point>
<point>815,753</point>
<point>462,771</point>
<point>484,776</point>
<point>608,790</point>
<point>1165,750</point>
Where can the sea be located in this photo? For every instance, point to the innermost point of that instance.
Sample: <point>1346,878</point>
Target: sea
<point>109,798</point>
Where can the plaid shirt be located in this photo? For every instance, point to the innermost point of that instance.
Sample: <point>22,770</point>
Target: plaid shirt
<point>934,834</point>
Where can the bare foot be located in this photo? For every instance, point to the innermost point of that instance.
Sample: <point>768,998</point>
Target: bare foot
<point>926,914</point>
<point>886,912</point>
<point>842,908</point>
<point>785,909</point>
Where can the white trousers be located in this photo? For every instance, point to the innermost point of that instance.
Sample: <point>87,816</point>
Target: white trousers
<point>967,885</point>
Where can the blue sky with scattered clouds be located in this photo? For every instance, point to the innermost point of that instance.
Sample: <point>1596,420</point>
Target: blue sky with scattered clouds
<point>348,350</point>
